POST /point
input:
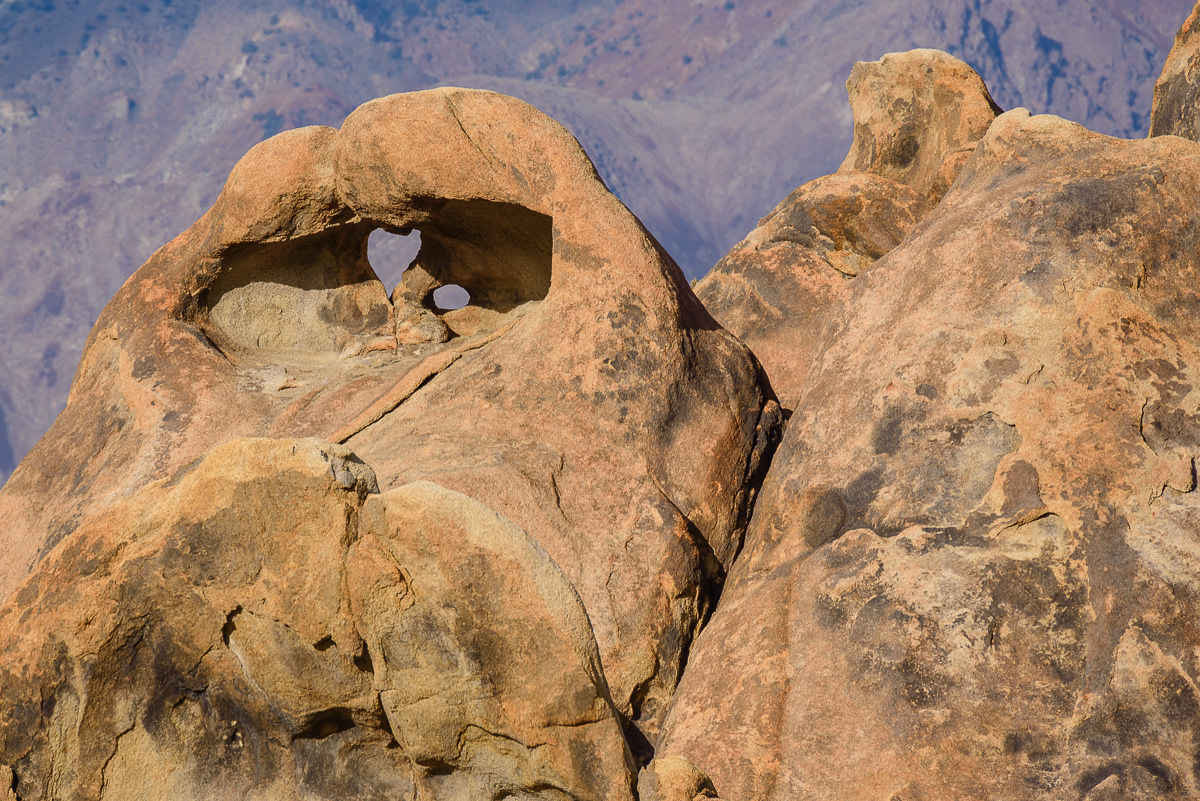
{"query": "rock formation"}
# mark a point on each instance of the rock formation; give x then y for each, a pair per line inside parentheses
(295, 538)
(567, 406)
(270, 625)
(971, 570)
(917, 116)
(683, 107)
(1175, 92)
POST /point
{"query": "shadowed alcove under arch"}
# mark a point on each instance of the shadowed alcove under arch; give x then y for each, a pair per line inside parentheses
(498, 254)
(318, 298)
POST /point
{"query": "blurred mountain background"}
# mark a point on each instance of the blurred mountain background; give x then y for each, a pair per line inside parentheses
(120, 119)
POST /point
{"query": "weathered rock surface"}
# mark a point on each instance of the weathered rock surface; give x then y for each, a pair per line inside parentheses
(777, 287)
(271, 627)
(971, 571)
(1177, 89)
(917, 118)
(913, 111)
(293, 538)
(570, 406)
(669, 99)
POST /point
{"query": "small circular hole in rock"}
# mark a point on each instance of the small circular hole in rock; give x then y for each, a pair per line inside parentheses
(450, 297)
(391, 254)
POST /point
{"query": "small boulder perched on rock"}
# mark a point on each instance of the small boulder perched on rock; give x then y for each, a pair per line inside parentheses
(917, 115)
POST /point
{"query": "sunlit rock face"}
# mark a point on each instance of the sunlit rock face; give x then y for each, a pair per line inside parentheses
(119, 121)
(972, 569)
(297, 536)
(561, 410)
(918, 116)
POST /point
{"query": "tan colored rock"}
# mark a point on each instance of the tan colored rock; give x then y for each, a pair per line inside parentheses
(779, 287)
(918, 116)
(489, 674)
(912, 111)
(971, 571)
(270, 627)
(1176, 110)
(673, 779)
(569, 396)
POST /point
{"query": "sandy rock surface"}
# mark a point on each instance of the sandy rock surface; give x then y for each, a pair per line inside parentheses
(971, 570)
(570, 406)
(295, 538)
(778, 288)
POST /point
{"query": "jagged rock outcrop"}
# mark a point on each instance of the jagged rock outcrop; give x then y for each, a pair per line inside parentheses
(972, 572)
(1175, 92)
(567, 397)
(917, 118)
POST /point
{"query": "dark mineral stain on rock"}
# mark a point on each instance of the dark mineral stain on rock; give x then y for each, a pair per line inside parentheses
(885, 436)
(1021, 488)
(822, 515)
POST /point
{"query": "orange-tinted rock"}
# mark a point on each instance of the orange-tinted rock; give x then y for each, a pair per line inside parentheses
(970, 572)
(971, 569)
(569, 396)
(912, 111)
(1177, 93)
(271, 627)
(781, 285)
(917, 117)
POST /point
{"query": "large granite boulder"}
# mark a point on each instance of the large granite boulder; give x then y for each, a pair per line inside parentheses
(972, 569)
(297, 537)
(584, 395)
(269, 626)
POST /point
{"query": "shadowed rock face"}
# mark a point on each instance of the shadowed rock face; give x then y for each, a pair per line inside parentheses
(567, 397)
(1177, 88)
(971, 570)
